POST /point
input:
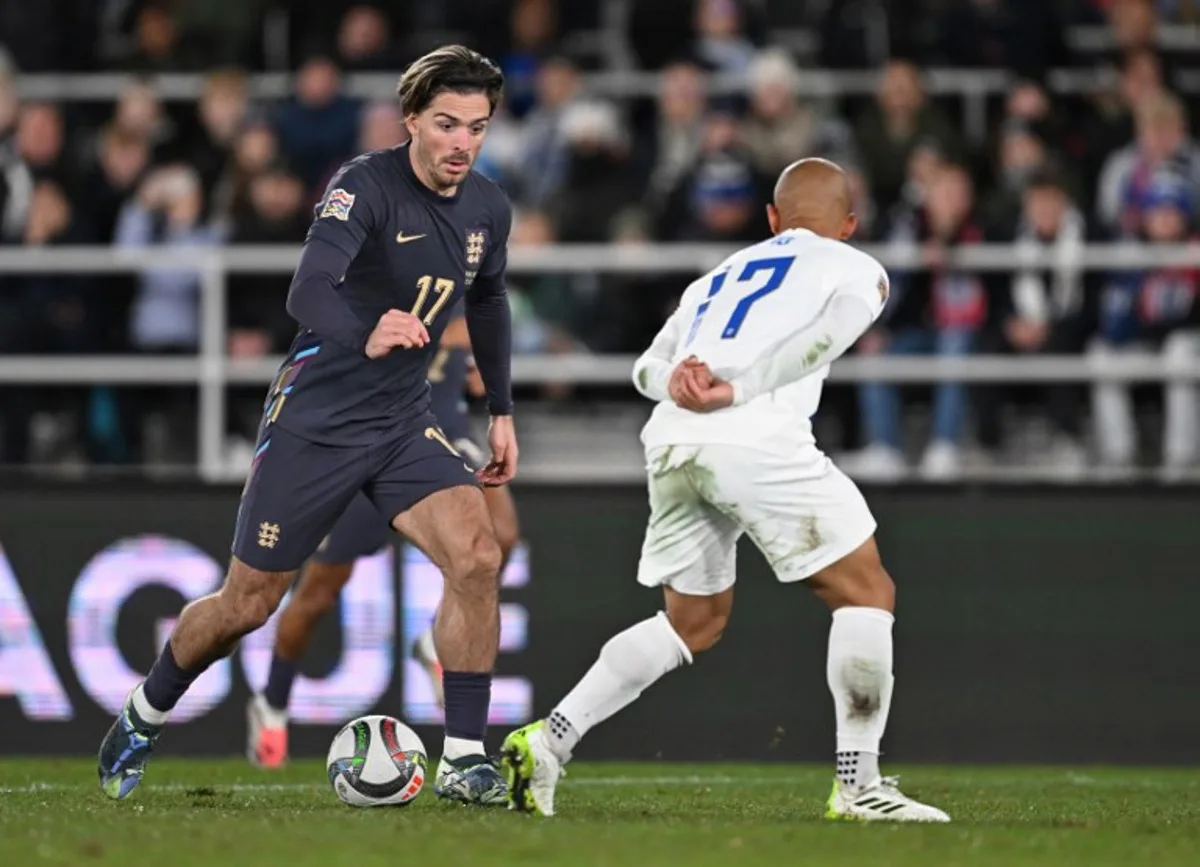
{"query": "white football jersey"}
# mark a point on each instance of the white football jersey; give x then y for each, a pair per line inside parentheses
(738, 312)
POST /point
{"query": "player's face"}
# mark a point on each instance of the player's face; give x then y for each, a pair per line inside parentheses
(447, 137)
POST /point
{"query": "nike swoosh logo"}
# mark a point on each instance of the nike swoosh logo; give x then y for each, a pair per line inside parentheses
(401, 238)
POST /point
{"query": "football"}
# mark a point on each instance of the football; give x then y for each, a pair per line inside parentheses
(376, 761)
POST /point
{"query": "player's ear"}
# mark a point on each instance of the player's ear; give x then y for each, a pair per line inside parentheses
(849, 226)
(773, 218)
(410, 124)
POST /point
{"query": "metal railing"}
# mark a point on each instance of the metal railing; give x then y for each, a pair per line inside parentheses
(211, 371)
(972, 86)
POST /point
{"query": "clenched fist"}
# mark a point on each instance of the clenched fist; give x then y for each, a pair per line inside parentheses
(396, 329)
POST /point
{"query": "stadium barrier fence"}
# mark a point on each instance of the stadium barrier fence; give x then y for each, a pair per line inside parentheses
(211, 371)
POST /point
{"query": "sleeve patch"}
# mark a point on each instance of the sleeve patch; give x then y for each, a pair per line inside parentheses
(883, 287)
(338, 205)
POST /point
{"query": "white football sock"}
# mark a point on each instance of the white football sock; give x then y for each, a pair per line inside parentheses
(457, 748)
(628, 663)
(860, 677)
(148, 712)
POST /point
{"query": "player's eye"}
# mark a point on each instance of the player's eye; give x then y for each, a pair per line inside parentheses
(479, 129)
(445, 126)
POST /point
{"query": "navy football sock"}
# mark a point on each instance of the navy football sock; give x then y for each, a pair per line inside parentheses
(468, 694)
(167, 682)
(279, 682)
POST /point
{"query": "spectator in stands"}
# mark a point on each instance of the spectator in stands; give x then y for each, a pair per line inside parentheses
(16, 182)
(1162, 143)
(542, 165)
(157, 47)
(1029, 104)
(256, 148)
(122, 159)
(277, 215)
(40, 142)
(140, 111)
(222, 111)
(892, 128)
(364, 41)
(782, 128)
(1133, 23)
(1109, 124)
(59, 313)
(533, 29)
(597, 182)
(1042, 311)
(318, 130)
(721, 42)
(381, 126)
(1021, 153)
(938, 309)
(167, 211)
(671, 149)
(1157, 308)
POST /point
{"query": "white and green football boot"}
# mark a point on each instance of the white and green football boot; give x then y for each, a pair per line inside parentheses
(880, 801)
(532, 769)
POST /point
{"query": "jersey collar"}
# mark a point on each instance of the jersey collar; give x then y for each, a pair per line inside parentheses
(402, 151)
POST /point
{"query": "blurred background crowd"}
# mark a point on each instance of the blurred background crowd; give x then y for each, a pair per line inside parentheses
(1114, 159)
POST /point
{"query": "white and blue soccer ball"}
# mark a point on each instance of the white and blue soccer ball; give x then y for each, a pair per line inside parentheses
(376, 761)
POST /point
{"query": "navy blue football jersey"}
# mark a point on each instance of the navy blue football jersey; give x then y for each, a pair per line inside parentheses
(413, 250)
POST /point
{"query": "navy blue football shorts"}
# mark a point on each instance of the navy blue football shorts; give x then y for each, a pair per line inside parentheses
(301, 494)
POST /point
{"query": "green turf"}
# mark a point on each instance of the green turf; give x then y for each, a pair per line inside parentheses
(221, 814)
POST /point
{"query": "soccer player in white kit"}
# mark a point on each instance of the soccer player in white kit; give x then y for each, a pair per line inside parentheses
(737, 372)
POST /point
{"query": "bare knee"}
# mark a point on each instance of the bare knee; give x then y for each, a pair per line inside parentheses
(857, 580)
(249, 597)
(474, 565)
(504, 521)
(699, 621)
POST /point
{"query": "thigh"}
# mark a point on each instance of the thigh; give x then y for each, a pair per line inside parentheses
(690, 543)
(293, 496)
(799, 522)
(414, 466)
(359, 532)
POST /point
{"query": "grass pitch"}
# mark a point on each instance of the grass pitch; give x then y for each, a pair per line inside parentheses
(224, 813)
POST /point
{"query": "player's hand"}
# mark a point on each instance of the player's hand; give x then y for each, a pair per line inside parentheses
(717, 395)
(396, 329)
(502, 438)
(689, 377)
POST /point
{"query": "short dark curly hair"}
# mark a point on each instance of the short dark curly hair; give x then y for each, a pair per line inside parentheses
(453, 68)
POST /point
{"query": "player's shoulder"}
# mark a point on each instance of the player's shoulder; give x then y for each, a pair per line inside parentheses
(377, 164)
(491, 196)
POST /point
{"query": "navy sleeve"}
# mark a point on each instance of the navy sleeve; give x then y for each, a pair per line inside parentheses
(314, 301)
(343, 221)
(349, 211)
(489, 321)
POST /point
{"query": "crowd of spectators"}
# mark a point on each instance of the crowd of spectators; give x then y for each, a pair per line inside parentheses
(689, 164)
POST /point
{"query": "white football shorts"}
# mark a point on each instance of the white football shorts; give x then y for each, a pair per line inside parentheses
(704, 497)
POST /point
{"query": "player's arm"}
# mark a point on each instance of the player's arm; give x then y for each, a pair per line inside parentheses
(653, 370)
(850, 311)
(489, 327)
(344, 220)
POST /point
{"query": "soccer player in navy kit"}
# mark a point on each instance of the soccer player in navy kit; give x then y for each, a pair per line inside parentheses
(399, 238)
(361, 532)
